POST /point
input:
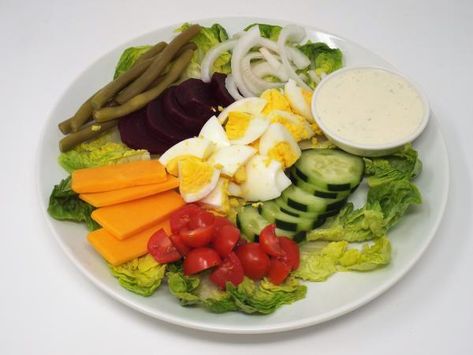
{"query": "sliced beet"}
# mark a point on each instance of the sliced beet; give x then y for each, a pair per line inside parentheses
(219, 90)
(196, 98)
(177, 116)
(161, 125)
(135, 133)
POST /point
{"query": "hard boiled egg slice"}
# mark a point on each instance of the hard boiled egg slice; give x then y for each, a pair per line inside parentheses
(234, 189)
(214, 132)
(230, 159)
(277, 143)
(196, 179)
(197, 147)
(282, 181)
(276, 101)
(244, 128)
(297, 125)
(261, 179)
(218, 197)
(252, 105)
(299, 99)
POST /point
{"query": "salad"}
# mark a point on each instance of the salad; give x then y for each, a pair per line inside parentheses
(200, 168)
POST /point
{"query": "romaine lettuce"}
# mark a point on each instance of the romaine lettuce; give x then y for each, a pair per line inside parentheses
(142, 275)
(267, 31)
(401, 165)
(320, 260)
(207, 38)
(102, 151)
(385, 204)
(65, 205)
(128, 58)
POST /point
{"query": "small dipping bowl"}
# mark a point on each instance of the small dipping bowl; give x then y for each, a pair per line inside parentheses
(369, 111)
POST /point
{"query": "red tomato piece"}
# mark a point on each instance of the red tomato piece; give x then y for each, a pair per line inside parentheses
(230, 270)
(226, 239)
(291, 250)
(278, 271)
(162, 249)
(181, 247)
(254, 260)
(196, 238)
(181, 217)
(269, 241)
(241, 242)
(200, 259)
(220, 222)
(201, 219)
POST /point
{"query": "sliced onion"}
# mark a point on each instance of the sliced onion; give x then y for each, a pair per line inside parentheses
(313, 75)
(211, 57)
(299, 59)
(296, 34)
(272, 60)
(265, 42)
(264, 69)
(232, 88)
(254, 82)
(243, 46)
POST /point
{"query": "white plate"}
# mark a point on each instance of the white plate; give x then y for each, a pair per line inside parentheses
(342, 293)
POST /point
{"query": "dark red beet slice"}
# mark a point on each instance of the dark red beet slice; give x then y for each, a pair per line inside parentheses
(219, 90)
(196, 98)
(177, 116)
(135, 133)
(161, 125)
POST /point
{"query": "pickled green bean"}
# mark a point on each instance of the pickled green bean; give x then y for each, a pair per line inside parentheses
(91, 131)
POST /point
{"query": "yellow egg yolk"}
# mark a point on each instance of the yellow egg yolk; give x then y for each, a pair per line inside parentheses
(283, 153)
(240, 175)
(298, 131)
(276, 101)
(194, 175)
(237, 124)
(307, 96)
(172, 165)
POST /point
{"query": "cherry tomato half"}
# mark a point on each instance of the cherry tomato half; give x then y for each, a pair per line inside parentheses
(162, 249)
(225, 239)
(278, 271)
(269, 241)
(196, 238)
(291, 250)
(181, 217)
(230, 270)
(181, 247)
(220, 222)
(201, 219)
(254, 260)
(200, 259)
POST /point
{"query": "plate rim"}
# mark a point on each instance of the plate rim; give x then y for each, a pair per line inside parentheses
(285, 326)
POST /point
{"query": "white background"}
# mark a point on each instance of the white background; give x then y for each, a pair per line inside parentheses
(48, 307)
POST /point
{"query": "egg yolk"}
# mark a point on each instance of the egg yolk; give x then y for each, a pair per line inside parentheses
(298, 131)
(240, 175)
(276, 101)
(194, 175)
(237, 124)
(172, 165)
(283, 153)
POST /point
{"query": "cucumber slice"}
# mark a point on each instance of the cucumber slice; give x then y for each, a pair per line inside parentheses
(330, 169)
(284, 207)
(316, 190)
(250, 222)
(271, 211)
(303, 201)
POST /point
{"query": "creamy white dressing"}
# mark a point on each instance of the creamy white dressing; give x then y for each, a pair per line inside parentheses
(369, 106)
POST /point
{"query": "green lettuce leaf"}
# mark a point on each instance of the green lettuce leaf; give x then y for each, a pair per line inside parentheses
(65, 205)
(183, 287)
(207, 38)
(385, 205)
(267, 31)
(99, 152)
(320, 260)
(142, 275)
(128, 58)
(404, 164)
(264, 297)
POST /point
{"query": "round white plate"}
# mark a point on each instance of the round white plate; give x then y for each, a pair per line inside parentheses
(342, 293)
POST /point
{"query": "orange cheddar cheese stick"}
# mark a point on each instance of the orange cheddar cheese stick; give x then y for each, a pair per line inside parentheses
(119, 176)
(116, 251)
(128, 218)
(107, 198)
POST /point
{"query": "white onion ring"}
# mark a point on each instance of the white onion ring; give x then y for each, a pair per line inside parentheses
(211, 57)
(264, 69)
(295, 33)
(255, 83)
(299, 59)
(232, 88)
